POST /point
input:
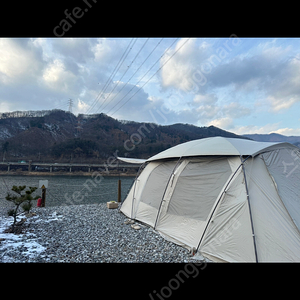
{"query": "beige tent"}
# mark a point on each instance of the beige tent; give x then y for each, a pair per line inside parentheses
(231, 200)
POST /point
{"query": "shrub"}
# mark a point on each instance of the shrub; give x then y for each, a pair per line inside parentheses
(20, 198)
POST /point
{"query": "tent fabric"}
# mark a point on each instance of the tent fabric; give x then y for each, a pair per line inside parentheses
(188, 193)
(229, 236)
(153, 192)
(221, 204)
(278, 239)
(284, 166)
(218, 146)
(129, 207)
(137, 161)
(180, 209)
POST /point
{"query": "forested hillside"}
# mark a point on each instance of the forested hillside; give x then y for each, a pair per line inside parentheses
(63, 137)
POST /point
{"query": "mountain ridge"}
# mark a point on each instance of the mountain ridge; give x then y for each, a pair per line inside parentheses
(60, 136)
(274, 137)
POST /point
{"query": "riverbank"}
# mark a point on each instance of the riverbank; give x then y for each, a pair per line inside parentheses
(26, 173)
(85, 233)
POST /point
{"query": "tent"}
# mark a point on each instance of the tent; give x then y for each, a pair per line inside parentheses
(227, 199)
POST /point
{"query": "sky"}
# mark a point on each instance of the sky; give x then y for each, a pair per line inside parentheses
(243, 85)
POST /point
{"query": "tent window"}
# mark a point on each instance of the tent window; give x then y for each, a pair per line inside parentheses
(156, 184)
(198, 187)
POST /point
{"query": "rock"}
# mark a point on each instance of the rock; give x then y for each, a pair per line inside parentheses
(31, 214)
(129, 221)
(92, 233)
(112, 205)
(136, 227)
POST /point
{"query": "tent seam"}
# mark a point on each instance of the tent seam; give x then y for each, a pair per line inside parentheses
(215, 208)
(142, 167)
(162, 199)
(249, 207)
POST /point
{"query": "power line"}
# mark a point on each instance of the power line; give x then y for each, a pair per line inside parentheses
(134, 73)
(123, 76)
(120, 62)
(62, 106)
(145, 75)
(150, 77)
(105, 99)
(108, 80)
(142, 76)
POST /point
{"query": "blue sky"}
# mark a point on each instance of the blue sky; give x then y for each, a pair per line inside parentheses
(243, 85)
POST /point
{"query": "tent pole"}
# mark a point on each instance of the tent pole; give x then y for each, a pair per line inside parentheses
(208, 222)
(165, 192)
(248, 200)
(135, 182)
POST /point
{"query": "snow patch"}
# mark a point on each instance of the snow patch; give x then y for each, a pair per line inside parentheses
(5, 134)
(25, 244)
(21, 126)
(55, 218)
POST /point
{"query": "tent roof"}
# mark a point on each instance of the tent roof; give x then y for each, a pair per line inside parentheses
(219, 146)
(137, 161)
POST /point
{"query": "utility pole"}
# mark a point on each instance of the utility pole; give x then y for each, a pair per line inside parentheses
(79, 126)
(70, 105)
(119, 190)
(43, 197)
(119, 184)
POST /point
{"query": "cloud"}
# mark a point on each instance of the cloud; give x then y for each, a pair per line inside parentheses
(284, 91)
(244, 72)
(119, 94)
(222, 123)
(178, 71)
(270, 71)
(104, 51)
(252, 129)
(4, 106)
(80, 107)
(278, 104)
(208, 99)
(211, 111)
(207, 81)
(45, 73)
(288, 131)
(266, 129)
(54, 71)
(195, 70)
(20, 61)
(143, 107)
(235, 110)
(80, 51)
(57, 77)
(190, 68)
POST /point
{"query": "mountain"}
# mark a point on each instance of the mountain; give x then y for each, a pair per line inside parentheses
(274, 137)
(63, 137)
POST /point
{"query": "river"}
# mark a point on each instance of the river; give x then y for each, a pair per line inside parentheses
(68, 190)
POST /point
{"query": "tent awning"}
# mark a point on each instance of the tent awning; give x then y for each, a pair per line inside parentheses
(137, 161)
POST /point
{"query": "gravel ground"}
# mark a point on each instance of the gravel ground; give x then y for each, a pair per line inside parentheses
(85, 233)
